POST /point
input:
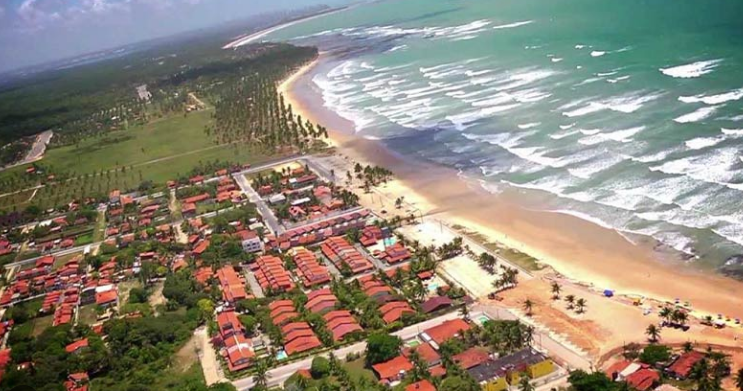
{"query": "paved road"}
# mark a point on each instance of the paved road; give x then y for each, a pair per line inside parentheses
(277, 376)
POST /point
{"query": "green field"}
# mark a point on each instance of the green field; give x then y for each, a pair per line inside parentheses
(159, 151)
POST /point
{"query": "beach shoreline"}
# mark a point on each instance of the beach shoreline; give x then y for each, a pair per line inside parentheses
(580, 251)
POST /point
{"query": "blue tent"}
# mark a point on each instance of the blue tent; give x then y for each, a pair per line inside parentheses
(608, 293)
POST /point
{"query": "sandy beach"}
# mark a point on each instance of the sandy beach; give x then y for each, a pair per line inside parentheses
(577, 249)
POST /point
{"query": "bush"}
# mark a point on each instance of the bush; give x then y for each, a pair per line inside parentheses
(381, 347)
(320, 367)
(653, 354)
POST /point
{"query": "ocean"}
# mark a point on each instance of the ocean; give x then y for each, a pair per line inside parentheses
(626, 113)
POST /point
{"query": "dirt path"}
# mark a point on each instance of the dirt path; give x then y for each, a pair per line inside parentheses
(156, 297)
(209, 364)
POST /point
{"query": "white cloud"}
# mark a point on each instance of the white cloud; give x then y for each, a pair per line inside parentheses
(33, 18)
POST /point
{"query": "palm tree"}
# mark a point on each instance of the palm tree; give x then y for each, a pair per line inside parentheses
(556, 288)
(653, 333)
(261, 373)
(528, 306)
(739, 380)
(688, 346)
(571, 301)
(525, 383)
(665, 313)
(464, 311)
(581, 305)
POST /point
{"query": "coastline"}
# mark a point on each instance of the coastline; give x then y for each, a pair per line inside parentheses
(581, 251)
(262, 33)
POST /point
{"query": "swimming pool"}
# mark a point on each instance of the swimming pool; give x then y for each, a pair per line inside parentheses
(433, 286)
(281, 355)
(389, 241)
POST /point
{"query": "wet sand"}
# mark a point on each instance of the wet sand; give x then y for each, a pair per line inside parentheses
(577, 249)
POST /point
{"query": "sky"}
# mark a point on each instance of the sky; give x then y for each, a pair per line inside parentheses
(38, 31)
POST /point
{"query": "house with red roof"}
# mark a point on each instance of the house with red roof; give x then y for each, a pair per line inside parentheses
(299, 337)
(426, 352)
(200, 247)
(423, 385)
(107, 298)
(232, 285)
(309, 270)
(270, 272)
(76, 346)
(395, 254)
(644, 379)
(393, 370)
(445, 331)
(237, 349)
(394, 310)
(681, 368)
(320, 301)
(471, 357)
(343, 255)
(340, 323)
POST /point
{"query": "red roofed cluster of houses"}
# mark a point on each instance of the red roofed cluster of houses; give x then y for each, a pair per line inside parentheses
(231, 284)
(271, 275)
(319, 231)
(298, 336)
(236, 347)
(344, 255)
(309, 270)
(391, 308)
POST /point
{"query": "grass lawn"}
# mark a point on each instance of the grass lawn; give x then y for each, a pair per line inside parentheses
(61, 260)
(41, 324)
(356, 369)
(100, 227)
(159, 151)
(160, 138)
(124, 289)
(87, 314)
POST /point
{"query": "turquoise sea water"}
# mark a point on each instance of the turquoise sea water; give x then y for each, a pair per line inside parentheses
(628, 113)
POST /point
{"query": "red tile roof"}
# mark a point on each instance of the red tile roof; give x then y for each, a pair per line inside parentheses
(309, 270)
(425, 351)
(340, 252)
(616, 368)
(446, 330)
(683, 365)
(271, 273)
(75, 346)
(393, 311)
(392, 368)
(423, 385)
(471, 357)
(106, 297)
(643, 379)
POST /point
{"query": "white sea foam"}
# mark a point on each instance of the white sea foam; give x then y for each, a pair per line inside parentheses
(717, 167)
(603, 74)
(713, 99)
(704, 142)
(529, 125)
(579, 46)
(732, 132)
(597, 53)
(562, 135)
(513, 25)
(618, 79)
(556, 59)
(587, 170)
(622, 135)
(692, 70)
(697, 115)
(396, 48)
(589, 132)
(628, 103)
(563, 127)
